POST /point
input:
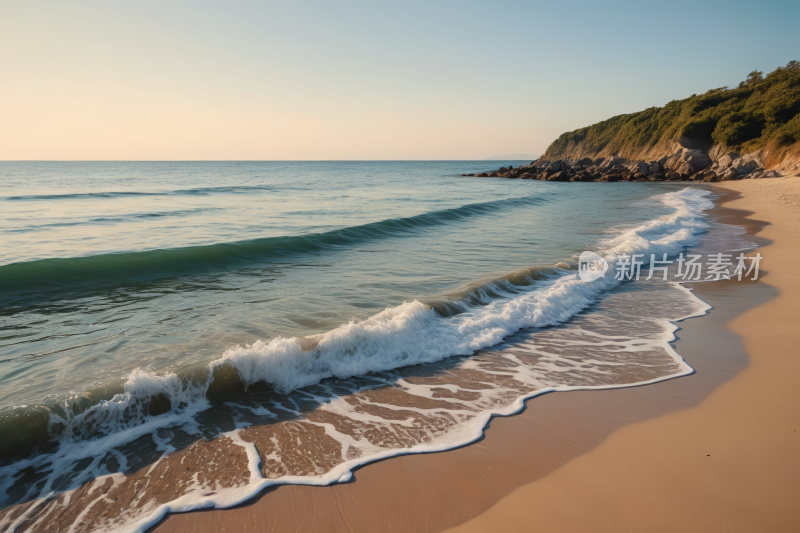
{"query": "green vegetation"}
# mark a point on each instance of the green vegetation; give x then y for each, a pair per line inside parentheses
(761, 109)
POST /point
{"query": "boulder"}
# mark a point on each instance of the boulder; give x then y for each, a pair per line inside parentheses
(729, 174)
(703, 174)
(727, 159)
(698, 160)
(159, 404)
(585, 162)
(744, 165)
(612, 163)
(558, 176)
(673, 176)
(684, 169)
(654, 167)
(761, 174)
(718, 151)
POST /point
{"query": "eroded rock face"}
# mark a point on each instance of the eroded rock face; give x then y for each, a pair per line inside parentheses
(686, 162)
(558, 176)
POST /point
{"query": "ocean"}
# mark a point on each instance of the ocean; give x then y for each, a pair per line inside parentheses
(184, 334)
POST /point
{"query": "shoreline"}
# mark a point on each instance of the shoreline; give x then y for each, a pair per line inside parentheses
(442, 487)
(731, 463)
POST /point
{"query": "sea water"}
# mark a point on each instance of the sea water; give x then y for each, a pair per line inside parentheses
(293, 320)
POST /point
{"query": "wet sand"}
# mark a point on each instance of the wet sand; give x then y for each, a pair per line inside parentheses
(730, 464)
(436, 491)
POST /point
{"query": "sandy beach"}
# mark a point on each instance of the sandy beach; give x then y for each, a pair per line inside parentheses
(327, 268)
(718, 445)
(729, 464)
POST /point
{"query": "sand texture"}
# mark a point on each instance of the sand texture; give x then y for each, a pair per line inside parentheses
(730, 464)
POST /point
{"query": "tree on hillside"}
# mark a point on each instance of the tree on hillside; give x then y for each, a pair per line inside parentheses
(762, 109)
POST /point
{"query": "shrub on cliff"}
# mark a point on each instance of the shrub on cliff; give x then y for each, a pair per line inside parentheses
(761, 109)
(737, 128)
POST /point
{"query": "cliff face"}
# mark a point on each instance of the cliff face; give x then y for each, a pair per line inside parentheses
(759, 121)
(774, 156)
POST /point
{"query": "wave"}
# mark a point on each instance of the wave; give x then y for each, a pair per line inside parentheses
(233, 189)
(413, 333)
(129, 266)
(409, 334)
(157, 405)
(119, 218)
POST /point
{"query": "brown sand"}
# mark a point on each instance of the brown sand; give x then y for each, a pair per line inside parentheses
(433, 492)
(730, 464)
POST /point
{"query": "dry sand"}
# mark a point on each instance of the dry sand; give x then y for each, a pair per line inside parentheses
(730, 464)
(600, 460)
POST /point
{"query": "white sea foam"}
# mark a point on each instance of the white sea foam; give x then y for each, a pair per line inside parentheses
(408, 334)
(411, 333)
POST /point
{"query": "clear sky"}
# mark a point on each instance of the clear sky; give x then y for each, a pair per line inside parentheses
(189, 80)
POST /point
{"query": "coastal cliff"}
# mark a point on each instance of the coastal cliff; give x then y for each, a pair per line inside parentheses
(752, 130)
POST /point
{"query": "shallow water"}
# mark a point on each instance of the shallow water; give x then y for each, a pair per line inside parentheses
(313, 316)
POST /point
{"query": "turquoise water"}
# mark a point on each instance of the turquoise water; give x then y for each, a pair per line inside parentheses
(303, 317)
(108, 267)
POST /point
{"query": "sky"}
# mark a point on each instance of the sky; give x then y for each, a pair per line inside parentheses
(242, 80)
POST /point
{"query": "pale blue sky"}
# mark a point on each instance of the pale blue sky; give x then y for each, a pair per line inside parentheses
(358, 80)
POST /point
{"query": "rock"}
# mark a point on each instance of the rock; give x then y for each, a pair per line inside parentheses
(764, 174)
(598, 161)
(673, 176)
(558, 176)
(585, 162)
(727, 159)
(703, 174)
(483, 175)
(654, 167)
(639, 175)
(717, 152)
(698, 160)
(555, 167)
(729, 174)
(159, 404)
(612, 163)
(745, 166)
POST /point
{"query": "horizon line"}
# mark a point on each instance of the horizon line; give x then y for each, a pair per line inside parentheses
(242, 160)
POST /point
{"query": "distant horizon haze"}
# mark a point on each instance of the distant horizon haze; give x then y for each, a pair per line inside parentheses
(354, 81)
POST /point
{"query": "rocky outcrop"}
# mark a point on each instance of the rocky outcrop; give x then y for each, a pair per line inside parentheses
(683, 161)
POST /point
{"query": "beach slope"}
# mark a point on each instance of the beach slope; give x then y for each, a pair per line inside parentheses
(731, 463)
